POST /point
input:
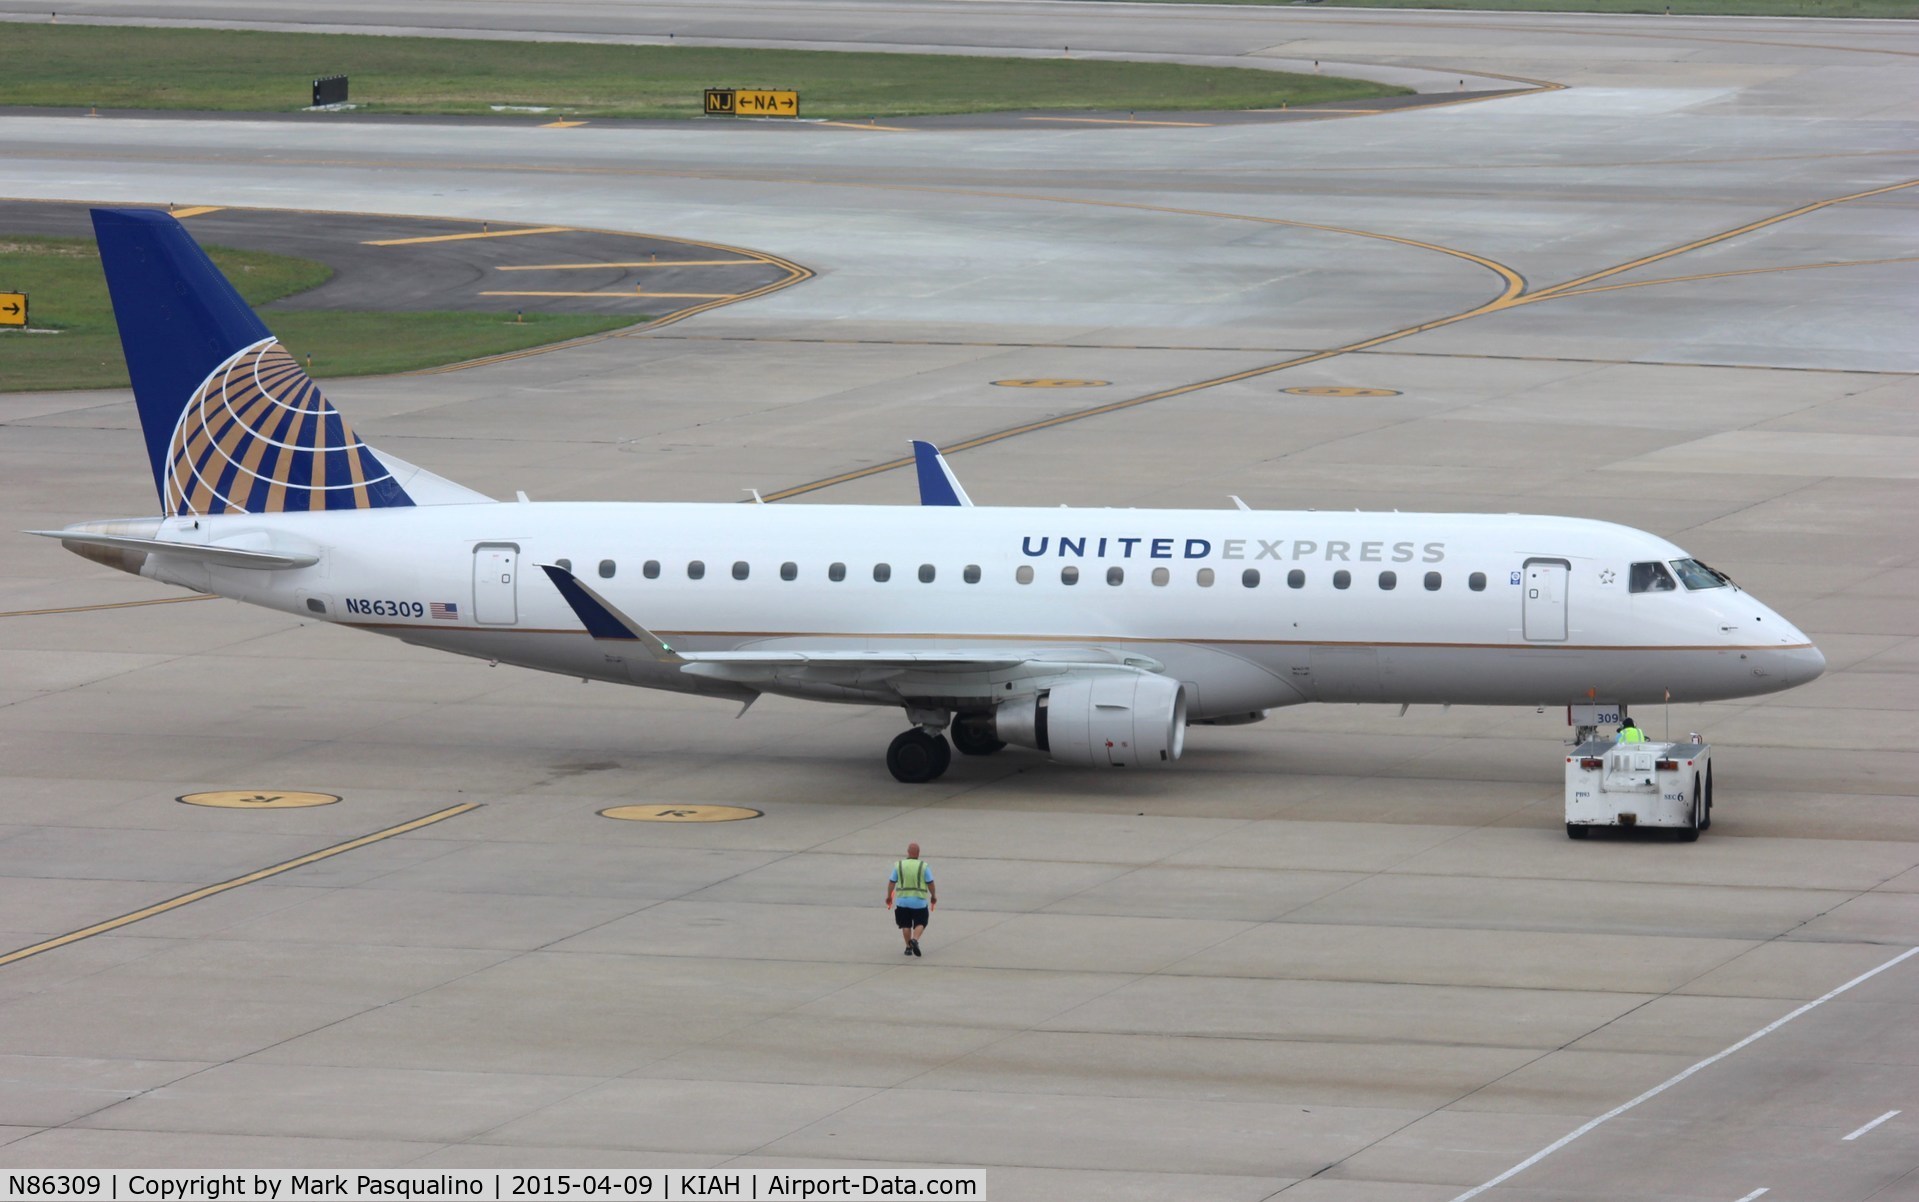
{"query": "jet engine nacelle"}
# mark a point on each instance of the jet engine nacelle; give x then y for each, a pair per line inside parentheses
(1108, 720)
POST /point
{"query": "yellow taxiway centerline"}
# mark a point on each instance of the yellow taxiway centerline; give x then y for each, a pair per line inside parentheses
(261, 874)
(538, 229)
(85, 609)
(627, 295)
(658, 263)
(1122, 121)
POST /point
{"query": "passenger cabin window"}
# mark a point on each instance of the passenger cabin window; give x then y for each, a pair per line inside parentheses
(696, 570)
(1389, 580)
(650, 569)
(1296, 579)
(1161, 577)
(1205, 578)
(926, 573)
(1069, 575)
(1025, 574)
(971, 574)
(1432, 582)
(836, 572)
(1694, 574)
(740, 569)
(1476, 582)
(1250, 577)
(607, 568)
(1342, 579)
(1116, 575)
(1650, 578)
(565, 565)
(882, 572)
(789, 571)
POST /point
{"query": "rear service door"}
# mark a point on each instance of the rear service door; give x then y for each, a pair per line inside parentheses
(496, 571)
(1545, 600)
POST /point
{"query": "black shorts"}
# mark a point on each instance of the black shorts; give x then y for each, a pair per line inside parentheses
(907, 917)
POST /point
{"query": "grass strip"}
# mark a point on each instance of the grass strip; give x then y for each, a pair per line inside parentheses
(234, 70)
(1906, 9)
(68, 293)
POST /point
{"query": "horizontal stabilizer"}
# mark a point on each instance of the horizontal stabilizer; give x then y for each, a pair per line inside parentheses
(226, 557)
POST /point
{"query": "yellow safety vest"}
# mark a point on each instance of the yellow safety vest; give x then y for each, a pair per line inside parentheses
(912, 878)
(1632, 734)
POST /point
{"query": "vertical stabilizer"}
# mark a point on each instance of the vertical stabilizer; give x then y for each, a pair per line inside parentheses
(232, 424)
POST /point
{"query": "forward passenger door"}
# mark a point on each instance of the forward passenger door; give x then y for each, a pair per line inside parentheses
(1544, 604)
(496, 570)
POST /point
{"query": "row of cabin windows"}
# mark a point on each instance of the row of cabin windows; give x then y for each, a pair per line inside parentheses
(1115, 575)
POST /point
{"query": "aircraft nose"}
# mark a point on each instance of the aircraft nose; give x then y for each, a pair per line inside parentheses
(1807, 663)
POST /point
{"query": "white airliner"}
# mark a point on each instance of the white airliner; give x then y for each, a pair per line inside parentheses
(1093, 635)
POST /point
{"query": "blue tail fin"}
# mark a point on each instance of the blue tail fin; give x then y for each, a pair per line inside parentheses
(232, 424)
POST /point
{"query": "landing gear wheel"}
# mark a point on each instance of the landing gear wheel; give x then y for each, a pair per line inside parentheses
(1577, 830)
(916, 757)
(974, 736)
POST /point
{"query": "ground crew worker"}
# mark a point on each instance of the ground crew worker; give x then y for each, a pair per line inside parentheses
(911, 896)
(1628, 733)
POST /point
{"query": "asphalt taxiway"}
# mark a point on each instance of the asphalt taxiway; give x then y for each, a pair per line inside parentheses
(388, 263)
(1340, 955)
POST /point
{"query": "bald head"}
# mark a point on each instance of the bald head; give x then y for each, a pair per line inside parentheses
(912, 851)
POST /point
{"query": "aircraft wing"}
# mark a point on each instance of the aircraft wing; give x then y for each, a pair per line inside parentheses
(902, 670)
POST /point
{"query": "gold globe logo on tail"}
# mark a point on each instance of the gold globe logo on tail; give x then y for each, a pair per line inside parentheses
(258, 436)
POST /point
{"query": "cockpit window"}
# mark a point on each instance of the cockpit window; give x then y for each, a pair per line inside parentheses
(1694, 574)
(1651, 578)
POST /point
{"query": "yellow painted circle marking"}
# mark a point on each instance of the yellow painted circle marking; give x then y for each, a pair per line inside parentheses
(259, 799)
(673, 813)
(1330, 390)
(1048, 383)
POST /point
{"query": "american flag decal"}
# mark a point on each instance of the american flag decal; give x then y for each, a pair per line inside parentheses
(446, 611)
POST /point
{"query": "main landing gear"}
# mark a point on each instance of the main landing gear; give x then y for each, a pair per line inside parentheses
(923, 754)
(918, 756)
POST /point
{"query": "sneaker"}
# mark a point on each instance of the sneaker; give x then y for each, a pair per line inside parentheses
(907, 950)
(916, 947)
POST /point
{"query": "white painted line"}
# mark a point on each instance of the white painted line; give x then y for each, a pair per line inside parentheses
(1874, 1123)
(1755, 1194)
(1669, 1082)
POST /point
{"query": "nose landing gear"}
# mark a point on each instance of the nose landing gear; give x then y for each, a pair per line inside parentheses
(918, 756)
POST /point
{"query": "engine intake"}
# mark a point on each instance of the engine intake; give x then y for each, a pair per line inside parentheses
(1109, 720)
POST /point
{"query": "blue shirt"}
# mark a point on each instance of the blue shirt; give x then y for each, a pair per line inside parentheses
(909, 903)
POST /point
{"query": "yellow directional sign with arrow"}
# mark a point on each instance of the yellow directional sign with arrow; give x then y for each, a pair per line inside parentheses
(752, 102)
(13, 308)
(766, 102)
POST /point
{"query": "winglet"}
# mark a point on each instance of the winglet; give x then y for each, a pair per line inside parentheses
(603, 621)
(938, 485)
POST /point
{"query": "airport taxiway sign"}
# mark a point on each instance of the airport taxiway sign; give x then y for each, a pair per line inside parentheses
(752, 102)
(766, 102)
(13, 308)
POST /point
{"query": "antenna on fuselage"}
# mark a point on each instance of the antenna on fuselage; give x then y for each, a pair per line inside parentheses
(1240, 504)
